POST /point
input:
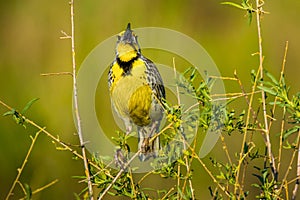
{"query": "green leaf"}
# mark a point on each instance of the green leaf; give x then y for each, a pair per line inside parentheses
(11, 112)
(268, 90)
(233, 4)
(77, 197)
(290, 131)
(18, 118)
(28, 105)
(288, 145)
(111, 193)
(181, 161)
(255, 185)
(249, 17)
(116, 187)
(274, 80)
(275, 103)
(28, 191)
(131, 134)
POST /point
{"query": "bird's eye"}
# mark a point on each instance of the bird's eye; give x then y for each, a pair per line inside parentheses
(119, 37)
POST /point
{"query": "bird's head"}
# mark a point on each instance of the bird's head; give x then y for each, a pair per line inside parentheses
(127, 45)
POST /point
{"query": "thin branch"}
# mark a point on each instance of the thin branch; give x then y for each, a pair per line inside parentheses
(57, 140)
(132, 184)
(283, 120)
(281, 76)
(249, 111)
(179, 194)
(20, 170)
(234, 95)
(45, 186)
(225, 149)
(42, 188)
(266, 124)
(144, 177)
(76, 108)
(64, 145)
(249, 101)
(188, 166)
(65, 35)
(166, 195)
(57, 74)
(296, 187)
(119, 174)
(289, 168)
(178, 103)
(5, 105)
(222, 78)
(284, 108)
(219, 185)
(177, 88)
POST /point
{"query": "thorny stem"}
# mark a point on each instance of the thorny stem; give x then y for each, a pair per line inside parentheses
(76, 108)
(266, 125)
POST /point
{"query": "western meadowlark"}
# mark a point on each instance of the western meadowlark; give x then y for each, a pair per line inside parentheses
(136, 91)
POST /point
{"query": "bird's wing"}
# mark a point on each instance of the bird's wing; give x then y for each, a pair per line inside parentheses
(154, 79)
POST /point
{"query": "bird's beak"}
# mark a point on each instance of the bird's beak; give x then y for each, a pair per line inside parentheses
(128, 27)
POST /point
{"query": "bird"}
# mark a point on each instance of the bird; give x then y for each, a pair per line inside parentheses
(137, 91)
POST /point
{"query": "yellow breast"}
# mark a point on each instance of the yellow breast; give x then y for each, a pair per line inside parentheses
(131, 95)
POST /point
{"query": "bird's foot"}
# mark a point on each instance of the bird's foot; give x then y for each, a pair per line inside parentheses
(120, 159)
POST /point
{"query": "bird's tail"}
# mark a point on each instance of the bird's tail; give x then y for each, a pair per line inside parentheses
(148, 141)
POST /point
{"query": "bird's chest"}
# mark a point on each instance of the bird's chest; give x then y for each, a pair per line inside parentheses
(132, 96)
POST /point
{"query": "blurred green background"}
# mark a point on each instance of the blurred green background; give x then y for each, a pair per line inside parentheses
(30, 45)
